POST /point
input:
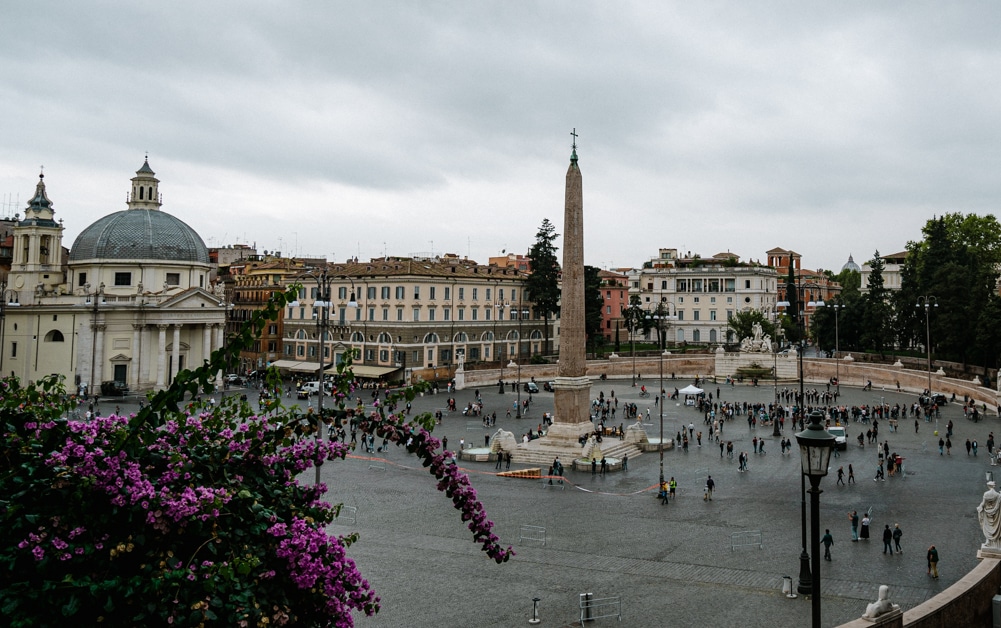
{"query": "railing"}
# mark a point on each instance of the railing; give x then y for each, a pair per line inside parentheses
(592, 608)
(748, 538)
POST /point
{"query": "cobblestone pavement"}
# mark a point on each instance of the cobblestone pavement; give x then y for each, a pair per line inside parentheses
(670, 564)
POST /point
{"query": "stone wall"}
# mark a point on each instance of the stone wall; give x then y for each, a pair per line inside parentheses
(965, 603)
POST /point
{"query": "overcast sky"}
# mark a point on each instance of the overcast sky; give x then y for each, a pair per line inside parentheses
(368, 128)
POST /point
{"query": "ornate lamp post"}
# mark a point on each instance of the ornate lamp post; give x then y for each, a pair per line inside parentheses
(815, 454)
(927, 302)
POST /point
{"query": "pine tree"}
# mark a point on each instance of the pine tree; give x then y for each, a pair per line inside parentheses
(542, 285)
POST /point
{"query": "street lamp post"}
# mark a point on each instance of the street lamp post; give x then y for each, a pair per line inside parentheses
(660, 404)
(815, 455)
(927, 302)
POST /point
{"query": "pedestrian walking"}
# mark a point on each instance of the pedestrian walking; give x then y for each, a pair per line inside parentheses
(864, 533)
(933, 562)
(974, 447)
(897, 533)
(851, 474)
(500, 459)
(673, 486)
(841, 476)
(710, 485)
(941, 446)
(594, 466)
(887, 539)
(853, 518)
(948, 446)
(828, 541)
(969, 446)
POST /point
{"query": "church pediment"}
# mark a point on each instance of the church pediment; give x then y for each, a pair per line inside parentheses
(192, 298)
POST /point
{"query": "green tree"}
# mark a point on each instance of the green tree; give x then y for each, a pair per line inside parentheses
(790, 320)
(542, 286)
(593, 303)
(742, 323)
(877, 308)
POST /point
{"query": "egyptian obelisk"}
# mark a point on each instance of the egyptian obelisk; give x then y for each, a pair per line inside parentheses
(572, 387)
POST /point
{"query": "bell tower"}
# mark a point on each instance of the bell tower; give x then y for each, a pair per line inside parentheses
(38, 245)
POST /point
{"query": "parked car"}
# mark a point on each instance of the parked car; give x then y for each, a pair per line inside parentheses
(531, 387)
(114, 389)
(233, 379)
(549, 386)
(840, 436)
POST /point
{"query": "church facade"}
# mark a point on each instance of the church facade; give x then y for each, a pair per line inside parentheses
(130, 303)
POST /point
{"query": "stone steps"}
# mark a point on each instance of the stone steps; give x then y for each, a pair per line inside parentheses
(612, 448)
(529, 474)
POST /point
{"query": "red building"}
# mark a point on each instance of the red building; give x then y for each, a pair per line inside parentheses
(615, 292)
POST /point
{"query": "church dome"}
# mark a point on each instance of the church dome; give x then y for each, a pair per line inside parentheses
(851, 265)
(141, 232)
(135, 234)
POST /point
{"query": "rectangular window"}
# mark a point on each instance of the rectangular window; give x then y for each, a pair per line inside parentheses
(696, 285)
(342, 315)
(447, 313)
(384, 355)
(682, 285)
(82, 279)
(476, 292)
(695, 299)
(417, 314)
(446, 355)
(370, 292)
(462, 293)
(312, 293)
(400, 293)
(695, 314)
(123, 279)
(369, 355)
(728, 285)
(681, 315)
(608, 309)
(448, 293)
(431, 292)
(462, 313)
(486, 312)
(385, 292)
(663, 284)
(500, 294)
(357, 313)
(13, 349)
(385, 313)
(747, 284)
(431, 313)
(302, 313)
(712, 315)
(729, 315)
(476, 313)
(371, 313)
(399, 313)
(417, 293)
(488, 294)
(342, 293)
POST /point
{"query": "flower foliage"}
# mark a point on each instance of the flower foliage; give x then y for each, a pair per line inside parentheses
(188, 516)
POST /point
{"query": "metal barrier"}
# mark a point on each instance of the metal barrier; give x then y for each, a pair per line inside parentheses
(592, 608)
(748, 538)
(532, 533)
(377, 463)
(553, 481)
(349, 514)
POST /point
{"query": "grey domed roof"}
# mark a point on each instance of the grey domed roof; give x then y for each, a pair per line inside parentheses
(134, 234)
(851, 265)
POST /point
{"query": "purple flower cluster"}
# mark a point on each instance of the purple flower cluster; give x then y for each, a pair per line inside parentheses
(315, 560)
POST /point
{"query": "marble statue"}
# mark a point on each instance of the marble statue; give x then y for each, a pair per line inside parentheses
(880, 606)
(989, 515)
(759, 342)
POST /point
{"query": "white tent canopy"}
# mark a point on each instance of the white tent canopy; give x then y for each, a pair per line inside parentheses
(690, 390)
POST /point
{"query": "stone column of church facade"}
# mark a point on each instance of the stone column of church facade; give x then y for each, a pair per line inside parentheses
(98, 374)
(161, 356)
(176, 352)
(136, 358)
(218, 330)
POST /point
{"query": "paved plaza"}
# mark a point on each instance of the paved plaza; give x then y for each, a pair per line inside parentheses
(670, 564)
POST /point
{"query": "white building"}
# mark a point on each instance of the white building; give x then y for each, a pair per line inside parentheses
(703, 293)
(130, 303)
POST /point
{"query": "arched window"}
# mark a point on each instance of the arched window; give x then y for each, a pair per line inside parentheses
(431, 339)
(712, 335)
(151, 193)
(681, 335)
(54, 336)
(357, 337)
(300, 335)
(385, 338)
(141, 190)
(487, 336)
(512, 335)
(696, 336)
(536, 335)
(461, 337)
